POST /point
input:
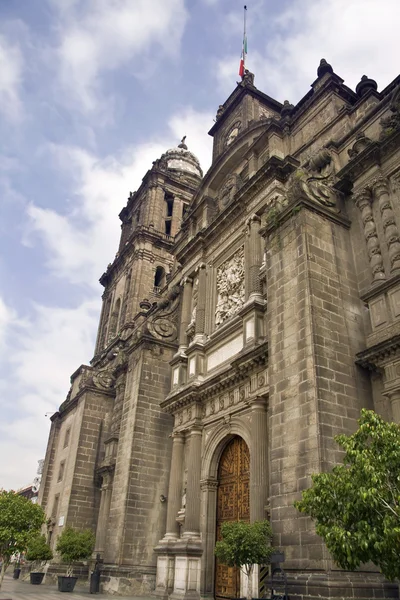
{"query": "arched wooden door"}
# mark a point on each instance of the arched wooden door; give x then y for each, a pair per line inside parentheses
(233, 504)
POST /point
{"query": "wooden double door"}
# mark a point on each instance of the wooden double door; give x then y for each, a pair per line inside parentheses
(233, 504)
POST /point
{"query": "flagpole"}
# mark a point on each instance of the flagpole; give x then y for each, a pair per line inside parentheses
(244, 35)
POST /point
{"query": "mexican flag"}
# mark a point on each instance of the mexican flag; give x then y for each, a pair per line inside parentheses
(244, 52)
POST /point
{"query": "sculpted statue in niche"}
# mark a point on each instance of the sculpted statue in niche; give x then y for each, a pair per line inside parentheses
(232, 133)
(230, 287)
(195, 293)
(227, 191)
(314, 180)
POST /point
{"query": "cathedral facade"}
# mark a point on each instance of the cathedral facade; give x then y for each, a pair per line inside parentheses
(248, 316)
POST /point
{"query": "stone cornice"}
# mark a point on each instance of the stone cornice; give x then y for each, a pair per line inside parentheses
(374, 154)
(373, 357)
(238, 370)
(141, 233)
(380, 287)
(275, 168)
(292, 209)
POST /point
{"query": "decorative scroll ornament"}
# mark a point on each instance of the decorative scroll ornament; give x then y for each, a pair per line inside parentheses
(230, 287)
(314, 180)
(104, 379)
(391, 124)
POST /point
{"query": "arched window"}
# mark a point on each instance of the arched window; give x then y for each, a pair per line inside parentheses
(102, 341)
(159, 279)
(112, 330)
(169, 200)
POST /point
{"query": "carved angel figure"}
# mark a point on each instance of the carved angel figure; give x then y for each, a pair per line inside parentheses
(314, 180)
(230, 287)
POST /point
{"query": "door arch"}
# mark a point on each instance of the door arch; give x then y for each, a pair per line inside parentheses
(233, 504)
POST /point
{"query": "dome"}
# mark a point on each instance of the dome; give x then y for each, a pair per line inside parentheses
(180, 159)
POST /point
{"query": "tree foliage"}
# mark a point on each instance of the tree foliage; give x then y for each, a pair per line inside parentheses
(19, 520)
(244, 545)
(356, 507)
(74, 545)
(38, 550)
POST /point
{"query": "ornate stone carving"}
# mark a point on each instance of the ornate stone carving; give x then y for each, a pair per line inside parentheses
(362, 142)
(230, 287)
(314, 180)
(220, 112)
(104, 379)
(396, 182)
(363, 202)
(391, 124)
(195, 294)
(232, 133)
(380, 187)
(227, 191)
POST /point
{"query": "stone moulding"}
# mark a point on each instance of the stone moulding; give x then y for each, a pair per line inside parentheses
(372, 357)
(243, 364)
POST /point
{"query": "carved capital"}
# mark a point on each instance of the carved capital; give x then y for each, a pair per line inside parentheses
(362, 198)
(208, 484)
(186, 280)
(253, 219)
(380, 186)
(201, 266)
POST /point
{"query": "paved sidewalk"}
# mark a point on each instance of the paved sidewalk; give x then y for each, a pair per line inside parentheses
(16, 589)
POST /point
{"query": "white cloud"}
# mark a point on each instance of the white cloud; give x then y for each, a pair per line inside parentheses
(82, 242)
(7, 317)
(101, 35)
(11, 68)
(43, 351)
(356, 38)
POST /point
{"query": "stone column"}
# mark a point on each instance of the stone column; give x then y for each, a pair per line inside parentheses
(104, 513)
(192, 512)
(209, 488)
(380, 187)
(363, 202)
(187, 283)
(175, 486)
(201, 300)
(258, 459)
(255, 256)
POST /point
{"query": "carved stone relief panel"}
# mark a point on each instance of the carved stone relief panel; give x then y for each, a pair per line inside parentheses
(230, 287)
(378, 312)
(394, 299)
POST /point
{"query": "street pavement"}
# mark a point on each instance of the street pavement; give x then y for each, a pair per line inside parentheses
(17, 589)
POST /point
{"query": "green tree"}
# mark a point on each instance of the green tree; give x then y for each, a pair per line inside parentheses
(38, 551)
(74, 545)
(19, 520)
(356, 507)
(243, 545)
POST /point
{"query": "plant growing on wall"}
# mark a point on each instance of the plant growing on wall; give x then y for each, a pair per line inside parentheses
(243, 545)
(74, 545)
(19, 520)
(356, 507)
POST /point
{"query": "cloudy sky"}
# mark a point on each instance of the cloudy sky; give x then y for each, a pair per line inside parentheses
(91, 92)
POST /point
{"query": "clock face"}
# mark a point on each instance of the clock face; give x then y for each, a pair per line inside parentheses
(232, 135)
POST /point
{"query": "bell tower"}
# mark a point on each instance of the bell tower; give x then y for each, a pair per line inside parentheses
(149, 223)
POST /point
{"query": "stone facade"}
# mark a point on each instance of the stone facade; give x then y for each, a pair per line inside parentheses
(257, 307)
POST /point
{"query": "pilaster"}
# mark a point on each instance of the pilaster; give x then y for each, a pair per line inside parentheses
(380, 188)
(363, 200)
(259, 467)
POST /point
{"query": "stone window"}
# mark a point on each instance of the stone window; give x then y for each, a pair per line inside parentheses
(61, 471)
(55, 506)
(114, 320)
(67, 436)
(159, 279)
(169, 200)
